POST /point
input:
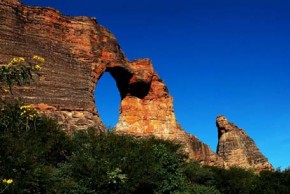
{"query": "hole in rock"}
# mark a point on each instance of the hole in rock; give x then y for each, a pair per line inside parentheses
(140, 89)
(107, 100)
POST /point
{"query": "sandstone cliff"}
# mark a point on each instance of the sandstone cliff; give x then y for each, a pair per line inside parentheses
(78, 51)
(237, 148)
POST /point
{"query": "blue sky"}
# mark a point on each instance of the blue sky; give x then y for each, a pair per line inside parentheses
(216, 56)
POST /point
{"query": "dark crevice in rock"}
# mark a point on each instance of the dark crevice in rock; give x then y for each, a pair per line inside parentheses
(139, 89)
(122, 77)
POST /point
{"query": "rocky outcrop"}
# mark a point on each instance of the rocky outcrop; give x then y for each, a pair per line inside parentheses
(78, 51)
(202, 153)
(237, 148)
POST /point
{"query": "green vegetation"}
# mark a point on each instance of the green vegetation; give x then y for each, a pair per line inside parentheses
(40, 158)
(19, 72)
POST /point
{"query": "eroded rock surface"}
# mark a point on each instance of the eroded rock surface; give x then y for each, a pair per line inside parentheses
(78, 51)
(237, 148)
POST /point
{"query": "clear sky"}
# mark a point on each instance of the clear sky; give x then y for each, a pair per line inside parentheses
(216, 57)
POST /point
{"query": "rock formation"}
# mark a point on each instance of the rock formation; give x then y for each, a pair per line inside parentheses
(78, 51)
(237, 148)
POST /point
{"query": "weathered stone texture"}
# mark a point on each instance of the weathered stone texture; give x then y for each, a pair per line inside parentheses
(73, 48)
(204, 154)
(78, 51)
(237, 148)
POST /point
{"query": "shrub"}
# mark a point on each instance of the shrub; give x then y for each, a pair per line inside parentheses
(19, 72)
(235, 180)
(110, 163)
(202, 189)
(197, 174)
(273, 182)
(30, 149)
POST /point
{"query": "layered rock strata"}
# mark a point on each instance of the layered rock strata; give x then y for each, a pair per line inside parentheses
(237, 148)
(78, 51)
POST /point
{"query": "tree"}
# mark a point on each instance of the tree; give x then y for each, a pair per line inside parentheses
(111, 163)
(235, 180)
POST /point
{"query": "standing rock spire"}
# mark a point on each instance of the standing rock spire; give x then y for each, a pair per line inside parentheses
(237, 148)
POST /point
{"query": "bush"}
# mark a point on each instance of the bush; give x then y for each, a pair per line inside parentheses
(199, 175)
(235, 180)
(202, 189)
(30, 149)
(36, 156)
(110, 163)
(41, 158)
(19, 72)
(17, 117)
(273, 182)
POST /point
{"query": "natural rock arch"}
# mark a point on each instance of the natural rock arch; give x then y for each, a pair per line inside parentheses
(146, 106)
(78, 51)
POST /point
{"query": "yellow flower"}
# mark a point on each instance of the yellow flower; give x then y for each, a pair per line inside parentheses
(25, 107)
(37, 67)
(28, 112)
(31, 117)
(5, 90)
(16, 60)
(38, 58)
(9, 181)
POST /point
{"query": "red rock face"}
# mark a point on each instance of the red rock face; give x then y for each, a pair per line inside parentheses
(237, 148)
(78, 51)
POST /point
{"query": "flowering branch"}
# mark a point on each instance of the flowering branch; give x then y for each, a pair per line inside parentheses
(19, 72)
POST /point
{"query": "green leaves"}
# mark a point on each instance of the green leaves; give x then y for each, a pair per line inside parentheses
(110, 163)
(43, 159)
(19, 72)
(15, 116)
